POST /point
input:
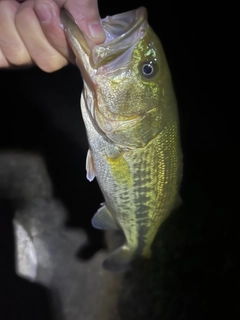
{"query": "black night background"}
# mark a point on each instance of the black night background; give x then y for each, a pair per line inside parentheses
(194, 272)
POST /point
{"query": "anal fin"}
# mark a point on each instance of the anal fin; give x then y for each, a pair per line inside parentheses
(104, 220)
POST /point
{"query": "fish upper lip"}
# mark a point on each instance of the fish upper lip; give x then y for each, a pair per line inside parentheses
(122, 32)
(129, 21)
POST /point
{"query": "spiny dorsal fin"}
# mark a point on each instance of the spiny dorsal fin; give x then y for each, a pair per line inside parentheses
(104, 220)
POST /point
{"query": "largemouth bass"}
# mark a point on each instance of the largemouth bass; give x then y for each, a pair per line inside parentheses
(130, 113)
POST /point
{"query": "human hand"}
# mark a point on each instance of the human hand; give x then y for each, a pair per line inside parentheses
(30, 31)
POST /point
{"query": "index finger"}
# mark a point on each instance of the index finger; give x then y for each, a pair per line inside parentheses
(85, 13)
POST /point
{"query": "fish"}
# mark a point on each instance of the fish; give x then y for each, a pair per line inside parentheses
(131, 118)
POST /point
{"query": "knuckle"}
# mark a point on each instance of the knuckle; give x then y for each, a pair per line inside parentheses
(24, 16)
(8, 7)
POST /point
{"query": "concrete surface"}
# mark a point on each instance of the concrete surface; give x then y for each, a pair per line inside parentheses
(84, 290)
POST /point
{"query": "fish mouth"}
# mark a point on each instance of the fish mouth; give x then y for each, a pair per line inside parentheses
(122, 32)
(121, 26)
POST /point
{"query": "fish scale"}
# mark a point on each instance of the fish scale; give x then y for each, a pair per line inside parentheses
(130, 114)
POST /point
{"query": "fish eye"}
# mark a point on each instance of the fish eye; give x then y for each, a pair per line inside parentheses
(148, 69)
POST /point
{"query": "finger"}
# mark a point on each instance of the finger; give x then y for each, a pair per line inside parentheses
(47, 12)
(41, 51)
(11, 44)
(85, 12)
(3, 61)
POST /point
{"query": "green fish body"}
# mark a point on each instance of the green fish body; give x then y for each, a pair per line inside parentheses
(130, 113)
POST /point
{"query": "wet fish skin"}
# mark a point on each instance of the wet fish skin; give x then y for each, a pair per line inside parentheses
(130, 113)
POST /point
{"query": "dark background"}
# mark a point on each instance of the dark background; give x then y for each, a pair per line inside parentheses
(195, 276)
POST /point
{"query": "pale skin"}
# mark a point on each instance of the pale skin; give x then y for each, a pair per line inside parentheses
(30, 31)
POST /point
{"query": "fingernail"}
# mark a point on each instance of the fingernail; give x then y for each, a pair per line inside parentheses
(96, 31)
(44, 12)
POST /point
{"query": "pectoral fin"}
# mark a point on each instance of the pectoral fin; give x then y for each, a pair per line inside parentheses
(104, 220)
(90, 166)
